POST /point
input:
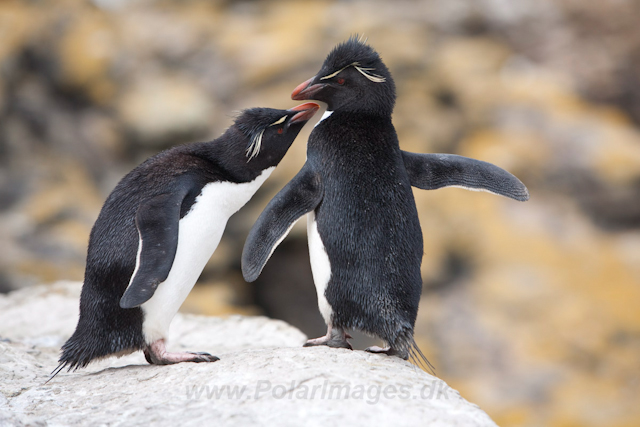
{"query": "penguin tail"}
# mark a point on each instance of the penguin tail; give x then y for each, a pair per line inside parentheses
(56, 371)
(406, 347)
(418, 358)
(69, 359)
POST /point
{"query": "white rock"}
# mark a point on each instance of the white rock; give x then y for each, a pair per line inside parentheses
(264, 377)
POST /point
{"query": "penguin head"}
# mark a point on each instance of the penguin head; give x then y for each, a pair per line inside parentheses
(353, 78)
(267, 133)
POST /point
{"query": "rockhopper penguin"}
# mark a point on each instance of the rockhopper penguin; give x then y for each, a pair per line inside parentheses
(159, 227)
(365, 240)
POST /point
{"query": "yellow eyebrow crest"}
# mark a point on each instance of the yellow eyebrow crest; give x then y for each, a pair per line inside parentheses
(337, 72)
(373, 77)
(280, 120)
(364, 71)
(254, 148)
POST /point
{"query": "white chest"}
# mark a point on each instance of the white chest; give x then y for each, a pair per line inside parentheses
(199, 234)
(320, 266)
(325, 116)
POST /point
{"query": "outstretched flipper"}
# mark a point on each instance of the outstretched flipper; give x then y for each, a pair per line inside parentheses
(300, 196)
(432, 171)
(157, 222)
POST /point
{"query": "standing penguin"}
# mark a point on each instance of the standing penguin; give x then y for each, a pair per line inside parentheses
(365, 241)
(158, 229)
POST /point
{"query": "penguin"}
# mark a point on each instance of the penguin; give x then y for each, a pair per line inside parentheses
(159, 227)
(364, 237)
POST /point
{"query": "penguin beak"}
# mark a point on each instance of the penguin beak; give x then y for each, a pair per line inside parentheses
(303, 112)
(306, 90)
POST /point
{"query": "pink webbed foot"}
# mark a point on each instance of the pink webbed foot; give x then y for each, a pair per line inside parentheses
(336, 338)
(157, 354)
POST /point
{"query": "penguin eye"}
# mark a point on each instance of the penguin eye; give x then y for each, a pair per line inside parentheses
(340, 80)
(280, 130)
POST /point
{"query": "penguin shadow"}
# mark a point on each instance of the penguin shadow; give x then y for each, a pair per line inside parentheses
(74, 375)
(285, 291)
(124, 368)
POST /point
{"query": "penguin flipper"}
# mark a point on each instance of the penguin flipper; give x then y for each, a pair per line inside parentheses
(300, 196)
(433, 171)
(157, 223)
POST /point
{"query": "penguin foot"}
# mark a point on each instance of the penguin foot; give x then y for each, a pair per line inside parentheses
(328, 342)
(336, 338)
(387, 350)
(157, 354)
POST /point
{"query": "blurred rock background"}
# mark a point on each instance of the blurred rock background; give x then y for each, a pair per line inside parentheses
(530, 309)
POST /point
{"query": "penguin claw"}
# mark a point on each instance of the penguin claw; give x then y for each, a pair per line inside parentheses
(204, 357)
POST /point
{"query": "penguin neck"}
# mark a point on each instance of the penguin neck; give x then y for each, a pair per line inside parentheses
(371, 108)
(228, 154)
(342, 134)
(340, 117)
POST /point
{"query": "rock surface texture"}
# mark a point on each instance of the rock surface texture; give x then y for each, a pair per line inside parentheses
(264, 376)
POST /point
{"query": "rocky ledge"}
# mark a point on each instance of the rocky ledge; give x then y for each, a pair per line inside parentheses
(264, 376)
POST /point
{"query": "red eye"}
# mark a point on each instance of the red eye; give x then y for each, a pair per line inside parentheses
(280, 130)
(340, 81)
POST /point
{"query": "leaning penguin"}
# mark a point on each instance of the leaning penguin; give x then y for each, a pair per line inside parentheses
(159, 227)
(365, 240)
